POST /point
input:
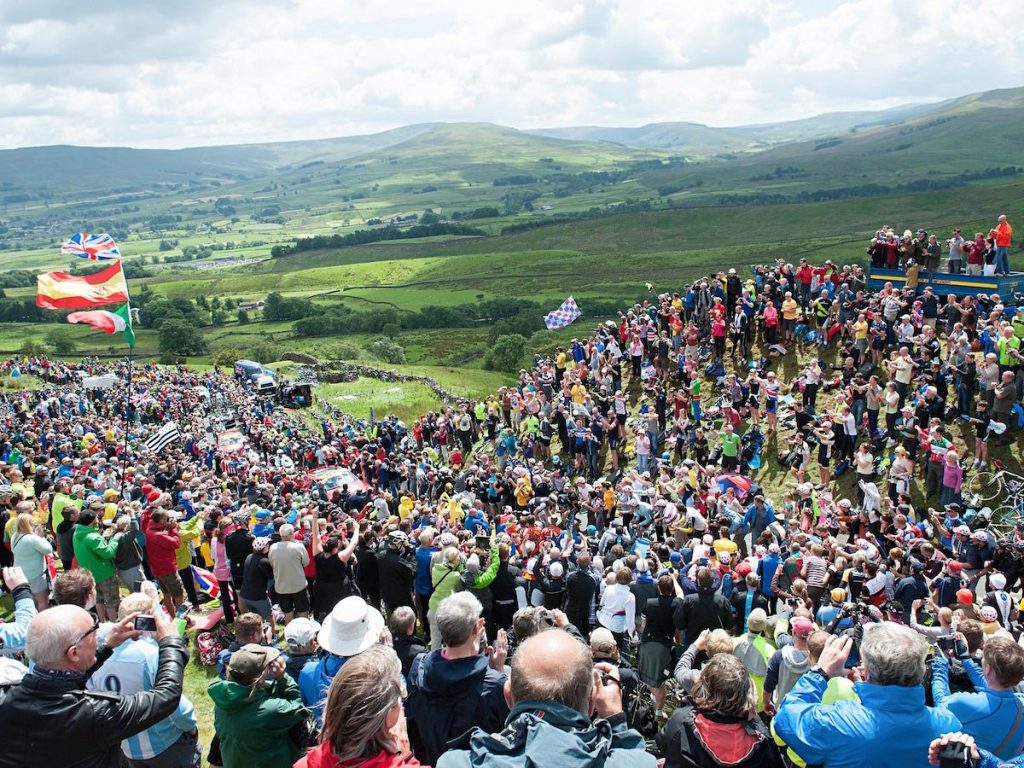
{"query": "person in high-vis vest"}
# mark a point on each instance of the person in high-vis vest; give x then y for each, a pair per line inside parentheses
(754, 650)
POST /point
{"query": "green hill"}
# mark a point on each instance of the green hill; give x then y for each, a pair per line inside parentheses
(171, 204)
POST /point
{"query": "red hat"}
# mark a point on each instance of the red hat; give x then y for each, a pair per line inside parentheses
(153, 496)
(965, 597)
(801, 626)
(954, 566)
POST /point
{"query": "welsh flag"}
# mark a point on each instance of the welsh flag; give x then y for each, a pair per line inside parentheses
(118, 321)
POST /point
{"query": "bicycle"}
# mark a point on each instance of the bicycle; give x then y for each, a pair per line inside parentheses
(985, 486)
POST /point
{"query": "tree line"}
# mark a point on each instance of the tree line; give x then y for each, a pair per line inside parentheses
(365, 236)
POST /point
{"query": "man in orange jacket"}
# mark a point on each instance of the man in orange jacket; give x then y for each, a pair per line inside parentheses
(1003, 234)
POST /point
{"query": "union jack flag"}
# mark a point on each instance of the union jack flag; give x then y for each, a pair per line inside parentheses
(99, 247)
(562, 316)
(205, 581)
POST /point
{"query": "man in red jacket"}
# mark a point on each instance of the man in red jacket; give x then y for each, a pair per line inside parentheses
(805, 275)
(162, 542)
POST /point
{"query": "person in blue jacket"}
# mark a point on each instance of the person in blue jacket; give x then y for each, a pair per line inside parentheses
(424, 560)
(350, 628)
(888, 726)
(759, 515)
(993, 714)
(12, 633)
(566, 712)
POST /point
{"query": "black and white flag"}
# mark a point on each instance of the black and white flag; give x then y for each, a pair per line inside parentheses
(163, 437)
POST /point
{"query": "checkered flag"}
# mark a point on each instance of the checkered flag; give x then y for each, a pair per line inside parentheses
(562, 316)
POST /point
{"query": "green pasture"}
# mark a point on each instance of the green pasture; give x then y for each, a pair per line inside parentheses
(407, 401)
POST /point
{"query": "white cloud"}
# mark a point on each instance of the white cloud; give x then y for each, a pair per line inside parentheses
(153, 73)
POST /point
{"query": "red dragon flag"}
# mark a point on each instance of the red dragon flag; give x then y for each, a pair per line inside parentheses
(59, 290)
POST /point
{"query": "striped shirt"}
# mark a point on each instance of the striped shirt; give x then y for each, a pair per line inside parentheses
(817, 571)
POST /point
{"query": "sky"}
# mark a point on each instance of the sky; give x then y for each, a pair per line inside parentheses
(174, 73)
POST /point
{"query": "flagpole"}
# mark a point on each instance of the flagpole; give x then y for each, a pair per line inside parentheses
(128, 400)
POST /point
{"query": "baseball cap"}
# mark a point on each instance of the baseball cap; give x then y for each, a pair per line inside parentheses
(838, 595)
(801, 626)
(249, 662)
(757, 620)
(954, 566)
(965, 597)
(997, 581)
(602, 640)
(300, 633)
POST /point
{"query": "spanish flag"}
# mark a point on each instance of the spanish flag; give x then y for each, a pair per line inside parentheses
(59, 290)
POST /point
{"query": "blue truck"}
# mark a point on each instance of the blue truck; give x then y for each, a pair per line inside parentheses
(945, 283)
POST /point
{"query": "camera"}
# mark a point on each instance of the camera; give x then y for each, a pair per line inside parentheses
(145, 624)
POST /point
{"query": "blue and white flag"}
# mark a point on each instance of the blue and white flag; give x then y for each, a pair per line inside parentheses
(562, 316)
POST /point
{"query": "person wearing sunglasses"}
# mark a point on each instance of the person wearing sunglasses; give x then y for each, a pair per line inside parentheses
(51, 719)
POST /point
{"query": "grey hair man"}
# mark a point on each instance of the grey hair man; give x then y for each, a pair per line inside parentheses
(456, 688)
(289, 559)
(50, 719)
(889, 725)
(555, 690)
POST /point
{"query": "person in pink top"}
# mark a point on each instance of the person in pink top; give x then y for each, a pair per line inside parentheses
(952, 476)
(770, 318)
(222, 567)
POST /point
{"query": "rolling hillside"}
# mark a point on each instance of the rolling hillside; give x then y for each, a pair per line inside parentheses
(246, 199)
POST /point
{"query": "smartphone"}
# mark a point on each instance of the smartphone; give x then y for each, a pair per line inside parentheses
(145, 624)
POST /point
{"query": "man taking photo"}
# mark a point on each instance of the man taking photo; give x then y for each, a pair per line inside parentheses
(50, 719)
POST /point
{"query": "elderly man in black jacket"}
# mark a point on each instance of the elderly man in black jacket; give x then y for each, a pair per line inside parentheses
(50, 719)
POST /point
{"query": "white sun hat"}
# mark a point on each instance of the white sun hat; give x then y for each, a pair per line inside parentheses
(351, 628)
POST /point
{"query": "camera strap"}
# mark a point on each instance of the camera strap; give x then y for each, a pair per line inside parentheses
(1013, 729)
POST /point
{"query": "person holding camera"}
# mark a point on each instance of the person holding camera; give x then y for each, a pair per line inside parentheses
(95, 552)
(566, 711)
(889, 725)
(994, 713)
(460, 686)
(258, 711)
(50, 718)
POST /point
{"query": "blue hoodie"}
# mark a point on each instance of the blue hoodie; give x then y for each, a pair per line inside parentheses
(315, 679)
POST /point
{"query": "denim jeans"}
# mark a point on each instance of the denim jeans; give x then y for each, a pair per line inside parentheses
(963, 400)
(1002, 259)
(858, 407)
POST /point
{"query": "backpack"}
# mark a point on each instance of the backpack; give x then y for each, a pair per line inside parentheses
(209, 645)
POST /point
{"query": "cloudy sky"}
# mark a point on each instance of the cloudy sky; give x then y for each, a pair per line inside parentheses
(172, 73)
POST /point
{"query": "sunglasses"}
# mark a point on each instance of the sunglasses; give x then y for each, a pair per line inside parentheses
(95, 626)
